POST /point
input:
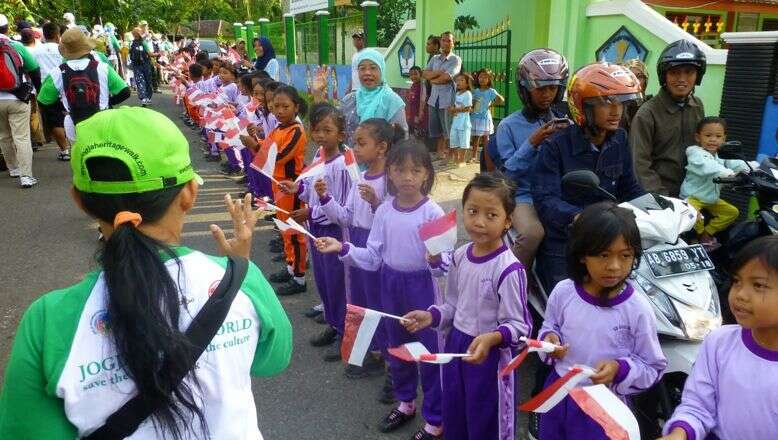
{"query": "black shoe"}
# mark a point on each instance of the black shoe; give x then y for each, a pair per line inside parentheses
(269, 217)
(394, 420)
(370, 367)
(312, 313)
(278, 258)
(424, 435)
(386, 396)
(333, 352)
(291, 287)
(281, 276)
(276, 242)
(326, 337)
(320, 319)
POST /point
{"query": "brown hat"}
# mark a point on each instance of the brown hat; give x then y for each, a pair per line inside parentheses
(73, 44)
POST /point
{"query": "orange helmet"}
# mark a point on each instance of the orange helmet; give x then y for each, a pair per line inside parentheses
(597, 83)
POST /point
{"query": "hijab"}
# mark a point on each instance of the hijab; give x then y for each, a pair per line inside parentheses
(380, 102)
(267, 54)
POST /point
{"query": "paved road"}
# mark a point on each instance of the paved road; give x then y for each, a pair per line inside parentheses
(47, 243)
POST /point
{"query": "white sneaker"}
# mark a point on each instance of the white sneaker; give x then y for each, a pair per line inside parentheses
(14, 172)
(28, 181)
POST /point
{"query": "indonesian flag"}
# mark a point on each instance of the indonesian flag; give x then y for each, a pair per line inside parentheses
(358, 332)
(282, 226)
(291, 226)
(417, 352)
(351, 165)
(197, 96)
(265, 204)
(440, 235)
(549, 397)
(533, 345)
(252, 106)
(608, 411)
(234, 56)
(265, 159)
(315, 169)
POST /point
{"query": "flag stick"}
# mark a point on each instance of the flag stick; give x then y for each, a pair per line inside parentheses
(270, 177)
(273, 207)
(399, 318)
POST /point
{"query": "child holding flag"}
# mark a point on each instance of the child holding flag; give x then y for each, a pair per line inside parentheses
(328, 171)
(373, 140)
(290, 139)
(597, 320)
(485, 314)
(722, 399)
(395, 247)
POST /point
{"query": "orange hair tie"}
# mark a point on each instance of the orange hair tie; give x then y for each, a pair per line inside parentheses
(127, 216)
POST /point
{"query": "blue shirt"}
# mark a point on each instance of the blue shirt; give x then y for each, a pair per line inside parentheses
(482, 99)
(568, 150)
(515, 155)
(442, 95)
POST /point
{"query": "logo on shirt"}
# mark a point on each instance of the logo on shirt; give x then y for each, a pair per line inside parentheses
(623, 336)
(100, 323)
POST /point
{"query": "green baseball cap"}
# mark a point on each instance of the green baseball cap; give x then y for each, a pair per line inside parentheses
(147, 142)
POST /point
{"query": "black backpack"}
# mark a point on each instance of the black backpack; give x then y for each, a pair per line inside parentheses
(82, 90)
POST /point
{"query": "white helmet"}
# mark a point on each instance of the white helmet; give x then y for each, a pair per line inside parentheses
(70, 18)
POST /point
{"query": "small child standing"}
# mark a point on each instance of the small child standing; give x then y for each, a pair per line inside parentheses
(485, 314)
(703, 165)
(328, 131)
(599, 318)
(481, 117)
(460, 124)
(722, 398)
(416, 105)
(395, 247)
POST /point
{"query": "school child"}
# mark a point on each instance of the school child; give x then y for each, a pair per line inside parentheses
(598, 320)
(258, 184)
(481, 118)
(373, 140)
(485, 313)
(732, 391)
(703, 165)
(416, 105)
(291, 140)
(227, 93)
(394, 246)
(328, 129)
(195, 76)
(460, 124)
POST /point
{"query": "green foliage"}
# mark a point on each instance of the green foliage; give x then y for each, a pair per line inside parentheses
(465, 22)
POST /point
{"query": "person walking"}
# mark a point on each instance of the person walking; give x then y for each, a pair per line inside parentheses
(140, 58)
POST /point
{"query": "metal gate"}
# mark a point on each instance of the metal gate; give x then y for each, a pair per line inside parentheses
(490, 48)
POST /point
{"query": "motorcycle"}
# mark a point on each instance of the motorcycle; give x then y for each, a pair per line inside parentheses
(675, 277)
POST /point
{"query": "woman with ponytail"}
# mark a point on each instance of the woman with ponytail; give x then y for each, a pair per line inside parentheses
(83, 352)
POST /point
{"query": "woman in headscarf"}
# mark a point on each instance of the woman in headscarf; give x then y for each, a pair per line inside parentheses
(266, 57)
(373, 99)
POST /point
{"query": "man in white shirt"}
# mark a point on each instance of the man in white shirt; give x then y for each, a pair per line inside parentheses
(359, 43)
(49, 59)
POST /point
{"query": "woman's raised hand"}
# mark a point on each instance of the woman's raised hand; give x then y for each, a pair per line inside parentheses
(244, 219)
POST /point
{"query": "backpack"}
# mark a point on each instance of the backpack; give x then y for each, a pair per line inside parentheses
(11, 75)
(82, 90)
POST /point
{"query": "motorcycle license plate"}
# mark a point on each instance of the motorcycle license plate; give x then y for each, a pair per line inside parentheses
(678, 261)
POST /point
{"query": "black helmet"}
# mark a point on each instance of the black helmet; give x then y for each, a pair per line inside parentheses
(539, 68)
(679, 53)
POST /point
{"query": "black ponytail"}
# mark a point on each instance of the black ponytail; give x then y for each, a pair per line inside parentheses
(144, 302)
(383, 131)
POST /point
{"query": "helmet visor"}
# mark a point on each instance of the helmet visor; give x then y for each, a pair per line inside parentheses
(532, 84)
(613, 99)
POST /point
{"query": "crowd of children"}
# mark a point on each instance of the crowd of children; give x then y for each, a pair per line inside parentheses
(368, 253)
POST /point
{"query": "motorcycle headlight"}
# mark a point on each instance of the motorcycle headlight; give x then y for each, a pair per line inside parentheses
(661, 300)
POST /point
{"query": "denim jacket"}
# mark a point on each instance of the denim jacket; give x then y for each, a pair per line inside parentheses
(568, 151)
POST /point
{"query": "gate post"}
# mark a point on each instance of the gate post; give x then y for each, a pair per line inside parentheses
(371, 22)
(290, 38)
(324, 37)
(263, 22)
(237, 30)
(249, 39)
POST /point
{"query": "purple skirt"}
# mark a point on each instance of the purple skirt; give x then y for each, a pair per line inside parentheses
(329, 274)
(567, 420)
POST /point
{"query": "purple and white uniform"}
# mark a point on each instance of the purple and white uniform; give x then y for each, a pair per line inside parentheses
(732, 392)
(394, 247)
(623, 329)
(357, 215)
(209, 85)
(484, 294)
(327, 268)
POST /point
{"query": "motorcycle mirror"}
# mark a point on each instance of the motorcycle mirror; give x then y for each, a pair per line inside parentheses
(730, 150)
(584, 180)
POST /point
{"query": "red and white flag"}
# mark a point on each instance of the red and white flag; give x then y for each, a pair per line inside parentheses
(315, 169)
(608, 411)
(417, 352)
(533, 345)
(352, 166)
(265, 159)
(440, 235)
(554, 393)
(252, 106)
(358, 332)
(234, 56)
(264, 204)
(291, 225)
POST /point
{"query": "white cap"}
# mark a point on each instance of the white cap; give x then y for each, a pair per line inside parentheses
(3, 20)
(69, 17)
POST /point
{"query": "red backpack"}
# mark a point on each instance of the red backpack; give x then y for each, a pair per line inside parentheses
(11, 76)
(82, 90)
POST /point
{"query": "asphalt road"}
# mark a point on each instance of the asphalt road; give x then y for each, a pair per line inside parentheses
(47, 243)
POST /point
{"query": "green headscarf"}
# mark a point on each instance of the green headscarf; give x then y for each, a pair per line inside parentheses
(380, 102)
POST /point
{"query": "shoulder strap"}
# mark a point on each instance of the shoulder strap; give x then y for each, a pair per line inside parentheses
(201, 331)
